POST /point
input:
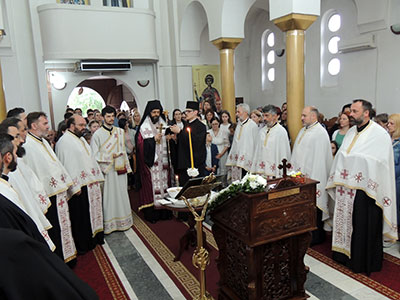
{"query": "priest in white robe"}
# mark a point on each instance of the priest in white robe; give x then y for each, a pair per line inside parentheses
(312, 156)
(41, 158)
(85, 204)
(12, 211)
(362, 183)
(272, 145)
(25, 192)
(108, 146)
(240, 157)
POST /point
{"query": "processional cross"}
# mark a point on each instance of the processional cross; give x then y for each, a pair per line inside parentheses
(285, 165)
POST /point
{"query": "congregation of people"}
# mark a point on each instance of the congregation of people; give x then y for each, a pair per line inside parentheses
(68, 188)
(354, 157)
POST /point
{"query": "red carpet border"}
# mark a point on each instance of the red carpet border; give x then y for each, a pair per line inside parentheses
(96, 270)
(385, 282)
(162, 240)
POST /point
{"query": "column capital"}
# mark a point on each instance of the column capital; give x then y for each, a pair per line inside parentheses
(227, 43)
(295, 21)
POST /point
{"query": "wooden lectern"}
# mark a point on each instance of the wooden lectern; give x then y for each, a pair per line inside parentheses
(262, 239)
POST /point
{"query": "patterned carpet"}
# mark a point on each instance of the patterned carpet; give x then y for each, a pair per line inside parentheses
(385, 282)
(96, 270)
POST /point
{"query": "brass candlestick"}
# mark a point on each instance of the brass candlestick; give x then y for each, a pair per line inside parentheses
(200, 257)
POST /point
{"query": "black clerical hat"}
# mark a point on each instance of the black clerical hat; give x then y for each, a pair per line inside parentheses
(154, 104)
(192, 105)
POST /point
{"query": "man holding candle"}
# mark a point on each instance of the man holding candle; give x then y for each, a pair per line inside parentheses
(152, 162)
(191, 143)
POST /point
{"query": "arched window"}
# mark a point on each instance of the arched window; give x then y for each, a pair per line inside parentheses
(268, 45)
(331, 25)
(85, 98)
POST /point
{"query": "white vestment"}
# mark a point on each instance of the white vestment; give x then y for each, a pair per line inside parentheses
(272, 147)
(312, 156)
(363, 162)
(159, 170)
(242, 150)
(116, 206)
(76, 155)
(35, 185)
(55, 179)
(29, 201)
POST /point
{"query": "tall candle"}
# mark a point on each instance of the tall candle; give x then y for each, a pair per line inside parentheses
(191, 148)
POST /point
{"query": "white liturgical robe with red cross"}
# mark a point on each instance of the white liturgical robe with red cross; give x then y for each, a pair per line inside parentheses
(363, 162)
(312, 156)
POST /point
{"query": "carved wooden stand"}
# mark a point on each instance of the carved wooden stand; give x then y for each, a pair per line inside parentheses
(262, 239)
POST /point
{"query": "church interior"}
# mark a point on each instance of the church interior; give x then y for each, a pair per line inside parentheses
(124, 53)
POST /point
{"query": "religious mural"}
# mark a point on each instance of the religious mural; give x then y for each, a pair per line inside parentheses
(206, 83)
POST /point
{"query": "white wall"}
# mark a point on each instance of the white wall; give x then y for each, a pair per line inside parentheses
(368, 74)
(18, 61)
(129, 78)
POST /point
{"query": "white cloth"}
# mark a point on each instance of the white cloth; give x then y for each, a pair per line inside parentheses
(116, 205)
(35, 185)
(31, 205)
(312, 156)
(225, 127)
(365, 162)
(272, 147)
(221, 139)
(242, 150)
(159, 170)
(76, 155)
(41, 158)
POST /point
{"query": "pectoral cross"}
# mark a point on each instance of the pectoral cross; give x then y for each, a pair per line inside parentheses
(160, 129)
(284, 166)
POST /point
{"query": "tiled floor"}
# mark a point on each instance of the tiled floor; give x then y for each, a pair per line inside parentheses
(145, 279)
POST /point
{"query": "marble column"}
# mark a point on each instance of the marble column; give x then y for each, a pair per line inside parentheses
(226, 48)
(294, 25)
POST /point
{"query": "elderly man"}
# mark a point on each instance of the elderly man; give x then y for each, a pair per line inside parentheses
(108, 146)
(240, 157)
(362, 183)
(272, 145)
(152, 159)
(56, 181)
(85, 204)
(312, 156)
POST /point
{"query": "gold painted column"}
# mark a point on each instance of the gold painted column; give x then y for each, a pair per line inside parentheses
(294, 25)
(226, 48)
(3, 110)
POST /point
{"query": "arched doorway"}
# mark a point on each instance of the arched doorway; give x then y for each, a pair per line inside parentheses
(112, 91)
(85, 98)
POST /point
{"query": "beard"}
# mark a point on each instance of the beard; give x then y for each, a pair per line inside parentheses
(12, 166)
(79, 133)
(357, 122)
(155, 120)
(20, 151)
